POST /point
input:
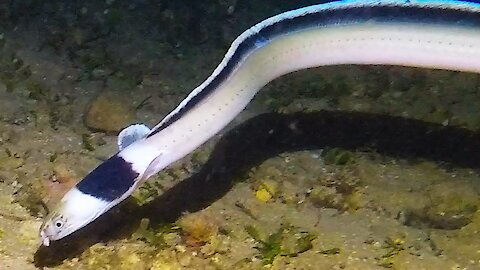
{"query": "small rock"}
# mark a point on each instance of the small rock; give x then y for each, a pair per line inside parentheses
(110, 112)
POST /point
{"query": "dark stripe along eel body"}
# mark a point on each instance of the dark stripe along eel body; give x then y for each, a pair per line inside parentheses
(421, 33)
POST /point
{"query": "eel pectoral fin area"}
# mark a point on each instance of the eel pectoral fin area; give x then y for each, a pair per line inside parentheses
(155, 166)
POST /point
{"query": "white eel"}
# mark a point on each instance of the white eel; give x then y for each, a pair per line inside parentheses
(421, 33)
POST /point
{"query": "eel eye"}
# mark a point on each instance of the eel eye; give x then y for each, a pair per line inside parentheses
(58, 224)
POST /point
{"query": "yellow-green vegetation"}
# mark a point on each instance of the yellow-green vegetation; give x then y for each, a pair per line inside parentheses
(147, 192)
(200, 156)
(263, 195)
(337, 156)
(87, 142)
(334, 185)
(343, 191)
(126, 256)
(393, 247)
(266, 190)
(286, 241)
(165, 260)
(198, 228)
(154, 236)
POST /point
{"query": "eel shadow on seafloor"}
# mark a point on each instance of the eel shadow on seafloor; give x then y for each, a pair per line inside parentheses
(265, 136)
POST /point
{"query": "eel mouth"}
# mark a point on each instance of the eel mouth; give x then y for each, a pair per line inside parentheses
(45, 240)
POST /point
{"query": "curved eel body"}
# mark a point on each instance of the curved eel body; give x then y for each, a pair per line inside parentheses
(430, 34)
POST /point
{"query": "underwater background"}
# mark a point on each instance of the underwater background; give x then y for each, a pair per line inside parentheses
(368, 167)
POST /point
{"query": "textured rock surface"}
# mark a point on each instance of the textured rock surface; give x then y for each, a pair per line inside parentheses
(323, 208)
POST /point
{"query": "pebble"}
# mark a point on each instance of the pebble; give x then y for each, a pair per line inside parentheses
(110, 112)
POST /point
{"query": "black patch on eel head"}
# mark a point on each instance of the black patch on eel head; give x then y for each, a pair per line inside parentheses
(110, 180)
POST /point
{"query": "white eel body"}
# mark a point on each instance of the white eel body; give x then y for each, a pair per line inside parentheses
(385, 38)
(390, 44)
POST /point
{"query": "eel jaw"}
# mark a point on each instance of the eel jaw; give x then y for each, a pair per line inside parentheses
(45, 240)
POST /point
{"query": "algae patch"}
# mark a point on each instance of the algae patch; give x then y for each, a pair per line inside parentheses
(286, 241)
(159, 237)
(198, 228)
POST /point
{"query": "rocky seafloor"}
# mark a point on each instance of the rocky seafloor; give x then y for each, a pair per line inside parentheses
(350, 167)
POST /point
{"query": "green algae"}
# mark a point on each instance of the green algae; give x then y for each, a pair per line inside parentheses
(149, 235)
(87, 142)
(393, 247)
(337, 156)
(286, 241)
(37, 91)
(270, 247)
(161, 236)
(330, 251)
(148, 192)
